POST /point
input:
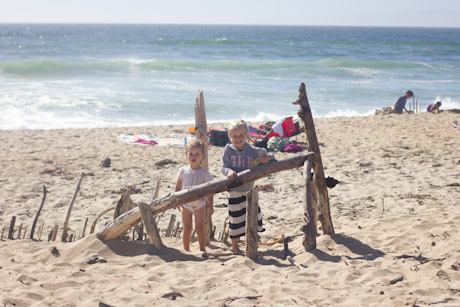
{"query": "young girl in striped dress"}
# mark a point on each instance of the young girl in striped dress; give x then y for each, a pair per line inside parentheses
(239, 156)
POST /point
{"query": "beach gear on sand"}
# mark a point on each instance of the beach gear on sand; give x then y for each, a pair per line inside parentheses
(286, 128)
(293, 148)
(277, 143)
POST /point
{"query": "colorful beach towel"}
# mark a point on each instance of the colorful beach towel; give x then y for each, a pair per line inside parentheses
(179, 140)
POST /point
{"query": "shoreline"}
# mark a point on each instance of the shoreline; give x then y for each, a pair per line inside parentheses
(394, 212)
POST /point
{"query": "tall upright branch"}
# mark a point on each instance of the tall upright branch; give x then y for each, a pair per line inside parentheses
(201, 133)
(307, 118)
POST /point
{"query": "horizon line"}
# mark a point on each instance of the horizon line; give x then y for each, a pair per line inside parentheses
(223, 24)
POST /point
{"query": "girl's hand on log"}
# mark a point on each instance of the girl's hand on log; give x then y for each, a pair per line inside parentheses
(231, 175)
(265, 159)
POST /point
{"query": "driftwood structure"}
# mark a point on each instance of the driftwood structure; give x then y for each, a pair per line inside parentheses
(315, 196)
(201, 133)
(132, 217)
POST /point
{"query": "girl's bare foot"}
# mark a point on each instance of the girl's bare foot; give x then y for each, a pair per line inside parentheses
(237, 251)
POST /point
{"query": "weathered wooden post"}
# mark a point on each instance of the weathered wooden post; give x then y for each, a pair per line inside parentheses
(252, 211)
(307, 118)
(172, 220)
(69, 211)
(150, 225)
(32, 230)
(309, 228)
(201, 133)
(11, 231)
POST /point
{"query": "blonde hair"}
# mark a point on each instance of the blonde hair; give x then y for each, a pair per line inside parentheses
(239, 125)
(194, 143)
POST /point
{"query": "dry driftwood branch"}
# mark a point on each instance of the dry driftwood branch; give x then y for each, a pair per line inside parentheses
(132, 217)
(225, 231)
(25, 231)
(32, 230)
(172, 220)
(11, 231)
(150, 226)
(84, 228)
(291, 260)
(156, 192)
(19, 231)
(201, 133)
(40, 230)
(93, 226)
(69, 211)
(54, 233)
(307, 118)
(273, 242)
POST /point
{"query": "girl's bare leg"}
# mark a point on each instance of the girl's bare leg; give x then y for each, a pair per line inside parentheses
(187, 233)
(200, 216)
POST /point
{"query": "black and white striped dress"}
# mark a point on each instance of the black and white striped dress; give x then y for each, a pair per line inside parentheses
(237, 214)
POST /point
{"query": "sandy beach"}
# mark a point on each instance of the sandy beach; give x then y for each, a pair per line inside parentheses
(395, 214)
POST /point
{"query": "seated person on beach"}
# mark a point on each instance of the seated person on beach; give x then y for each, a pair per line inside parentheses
(433, 107)
(400, 105)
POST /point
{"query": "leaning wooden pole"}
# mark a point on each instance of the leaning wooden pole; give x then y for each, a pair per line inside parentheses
(32, 230)
(309, 229)
(132, 217)
(307, 118)
(201, 133)
(69, 211)
(150, 226)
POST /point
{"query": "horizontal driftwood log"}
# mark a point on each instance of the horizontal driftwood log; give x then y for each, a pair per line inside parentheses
(132, 217)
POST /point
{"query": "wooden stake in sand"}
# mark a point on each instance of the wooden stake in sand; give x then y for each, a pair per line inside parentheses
(11, 231)
(307, 118)
(201, 133)
(132, 217)
(172, 220)
(309, 217)
(32, 230)
(84, 228)
(54, 233)
(19, 231)
(69, 211)
(252, 211)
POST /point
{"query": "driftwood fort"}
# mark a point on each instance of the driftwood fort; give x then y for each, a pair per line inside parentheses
(146, 216)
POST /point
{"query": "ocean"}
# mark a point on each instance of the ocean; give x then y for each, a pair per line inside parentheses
(55, 76)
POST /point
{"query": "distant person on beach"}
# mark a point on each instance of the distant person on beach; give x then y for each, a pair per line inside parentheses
(433, 107)
(400, 105)
(239, 156)
(189, 175)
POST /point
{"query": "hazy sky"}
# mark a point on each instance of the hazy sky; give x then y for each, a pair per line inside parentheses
(418, 13)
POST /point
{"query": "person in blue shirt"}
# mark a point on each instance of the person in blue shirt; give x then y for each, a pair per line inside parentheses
(400, 105)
